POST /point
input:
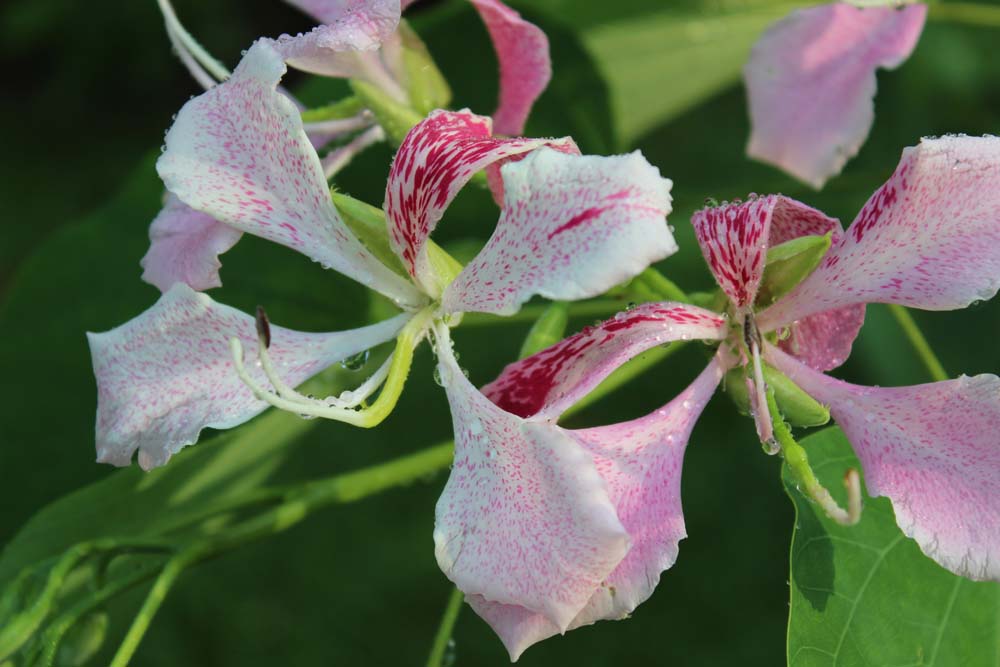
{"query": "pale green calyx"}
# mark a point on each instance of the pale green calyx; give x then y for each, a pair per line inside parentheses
(788, 264)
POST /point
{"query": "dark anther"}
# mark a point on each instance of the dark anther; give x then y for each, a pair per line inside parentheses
(263, 326)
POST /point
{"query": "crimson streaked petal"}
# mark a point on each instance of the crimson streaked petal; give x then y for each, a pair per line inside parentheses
(239, 153)
(167, 374)
(436, 159)
(545, 384)
(811, 82)
(928, 238)
(932, 450)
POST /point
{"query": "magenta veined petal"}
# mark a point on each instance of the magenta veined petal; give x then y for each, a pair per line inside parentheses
(811, 82)
(928, 238)
(525, 68)
(823, 340)
(572, 227)
(933, 450)
(436, 159)
(525, 517)
(734, 239)
(238, 152)
(545, 384)
(641, 462)
(167, 374)
(185, 245)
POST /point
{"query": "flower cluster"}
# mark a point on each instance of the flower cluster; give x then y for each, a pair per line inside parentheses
(543, 528)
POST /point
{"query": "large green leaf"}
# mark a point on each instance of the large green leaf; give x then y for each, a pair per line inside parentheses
(659, 62)
(866, 595)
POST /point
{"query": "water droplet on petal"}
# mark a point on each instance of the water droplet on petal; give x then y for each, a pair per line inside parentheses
(355, 362)
(437, 377)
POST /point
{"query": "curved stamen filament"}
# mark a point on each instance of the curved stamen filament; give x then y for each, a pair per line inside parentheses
(798, 463)
(391, 377)
(190, 51)
(359, 121)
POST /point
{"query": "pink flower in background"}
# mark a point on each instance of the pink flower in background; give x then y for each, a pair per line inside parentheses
(522, 52)
(811, 83)
(571, 226)
(928, 238)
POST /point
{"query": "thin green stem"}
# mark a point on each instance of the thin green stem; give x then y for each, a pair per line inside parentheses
(805, 478)
(919, 342)
(967, 13)
(298, 502)
(441, 640)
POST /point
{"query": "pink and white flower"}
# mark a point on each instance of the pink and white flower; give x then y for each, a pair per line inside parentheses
(571, 226)
(811, 82)
(522, 51)
(928, 238)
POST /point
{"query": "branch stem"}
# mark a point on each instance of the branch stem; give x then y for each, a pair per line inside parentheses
(919, 342)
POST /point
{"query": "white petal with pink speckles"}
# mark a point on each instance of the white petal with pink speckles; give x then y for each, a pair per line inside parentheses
(525, 69)
(933, 450)
(525, 517)
(641, 462)
(438, 156)
(238, 153)
(572, 227)
(185, 245)
(811, 79)
(346, 45)
(167, 374)
(928, 238)
(547, 383)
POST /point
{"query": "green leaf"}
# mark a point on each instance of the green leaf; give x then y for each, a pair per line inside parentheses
(866, 594)
(663, 62)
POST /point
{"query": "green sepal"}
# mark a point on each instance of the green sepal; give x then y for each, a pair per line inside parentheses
(345, 108)
(798, 408)
(368, 224)
(548, 329)
(444, 267)
(395, 118)
(426, 86)
(788, 264)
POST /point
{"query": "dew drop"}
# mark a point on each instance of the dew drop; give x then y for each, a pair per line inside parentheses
(632, 305)
(437, 377)
(770, 447)
(355, 362)
(784, 333)
(448, 659)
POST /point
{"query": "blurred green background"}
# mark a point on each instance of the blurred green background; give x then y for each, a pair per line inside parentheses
(93, 87)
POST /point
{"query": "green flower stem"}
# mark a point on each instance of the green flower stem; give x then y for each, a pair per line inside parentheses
(664, 288)
(298, 502)
(443, 636)
(968, 13)
(805, 479)
(919, 343)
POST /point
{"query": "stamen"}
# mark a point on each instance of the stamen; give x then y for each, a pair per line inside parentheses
(361, 120)
(186, 44)
(307, 409)
(391, 377)
(798, 463)
(341, 157)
